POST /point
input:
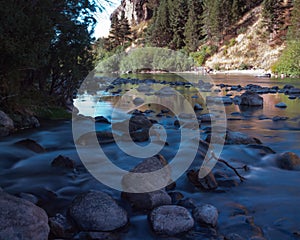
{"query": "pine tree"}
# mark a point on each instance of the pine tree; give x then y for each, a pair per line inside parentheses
(178, 12)
(272, 15)
(160, 31)
(193, 26)
(124, 30)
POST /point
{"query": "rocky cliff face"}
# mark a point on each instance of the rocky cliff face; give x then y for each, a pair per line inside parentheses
(135, 11)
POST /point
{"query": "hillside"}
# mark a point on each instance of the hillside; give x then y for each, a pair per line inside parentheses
(237, 34)
(253, 47)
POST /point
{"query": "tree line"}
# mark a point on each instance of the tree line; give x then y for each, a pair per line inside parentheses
(45, 49)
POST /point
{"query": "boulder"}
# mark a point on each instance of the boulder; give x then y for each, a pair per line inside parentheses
(20, 219)
(198, 107)
(171, 220)
(31, 145)
(64, 162)
(206, 214)
(97, 211)
(60, 227)
(281, 105)
(6, 124)
(25, 120)
(279, 118)
(138, 101)
(101, 119)
(207, 183)
(141, 182)
(250, 98)
(288, 161)
(148, 201)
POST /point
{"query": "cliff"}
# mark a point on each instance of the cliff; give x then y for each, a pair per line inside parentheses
(136, 11)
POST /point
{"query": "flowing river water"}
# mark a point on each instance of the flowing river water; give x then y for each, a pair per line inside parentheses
(266, 204)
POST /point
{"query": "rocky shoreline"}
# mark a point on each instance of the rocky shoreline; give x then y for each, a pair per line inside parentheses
(170, 213)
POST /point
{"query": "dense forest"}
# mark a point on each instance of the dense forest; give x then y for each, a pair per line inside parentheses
(200, 28)
(45, 51)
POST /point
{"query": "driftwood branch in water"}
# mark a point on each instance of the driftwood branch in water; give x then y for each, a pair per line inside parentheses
(231, 167)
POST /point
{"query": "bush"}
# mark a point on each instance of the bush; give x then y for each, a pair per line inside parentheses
(289, 61)
(243, 66)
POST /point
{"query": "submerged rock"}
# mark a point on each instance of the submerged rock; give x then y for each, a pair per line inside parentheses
(26, 120)
(250, 98)
(198, 107)
(233, 138)
(31, 145)
(281, 105)
(233, 236)
(171, 220)
(138, 101)
(97, 211)
(20, 219)
(6, 124)
(64, 162)
(206, 214)
(288, 161)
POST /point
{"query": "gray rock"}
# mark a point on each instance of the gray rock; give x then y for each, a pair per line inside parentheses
(294, 91)
(20, 219)
(206, 118)
(138, 101)
(97, 211)
(6, 124)
(137, 182)
(281, 105)
(101, 119)
(288, 161)
(206, 214)
(251, 99)
(171, 220)
(59, 226)
(148, 201)
(26, 120)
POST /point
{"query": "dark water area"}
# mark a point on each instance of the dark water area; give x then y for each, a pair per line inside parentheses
(269, 198)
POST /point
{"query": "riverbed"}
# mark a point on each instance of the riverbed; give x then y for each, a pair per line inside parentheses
(266, 204)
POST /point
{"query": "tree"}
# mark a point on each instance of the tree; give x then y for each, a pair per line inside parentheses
(124, 30)
(45, 47)
(272, 14)
(193, 25)
(178, 12)
(160, 34)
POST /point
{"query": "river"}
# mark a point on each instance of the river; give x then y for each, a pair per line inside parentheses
(269, 198)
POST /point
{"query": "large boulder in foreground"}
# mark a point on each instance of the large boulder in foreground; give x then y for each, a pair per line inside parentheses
(250, 98)
(171, 220)
(97, 211)
(20, 219)
(288, 161)
(6, 124)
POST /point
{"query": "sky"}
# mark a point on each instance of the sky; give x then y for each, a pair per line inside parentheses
(103, 22)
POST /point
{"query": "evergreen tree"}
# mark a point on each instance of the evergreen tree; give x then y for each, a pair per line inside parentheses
(160, 31)
(178, 12)
(124, 30)
(193, 26)
(114, 36)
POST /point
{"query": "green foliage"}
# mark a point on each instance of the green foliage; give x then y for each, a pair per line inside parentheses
(201, 56)
(147, 58)
(244, 66)
(272, 14)
(45, 46)
(289, 62)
